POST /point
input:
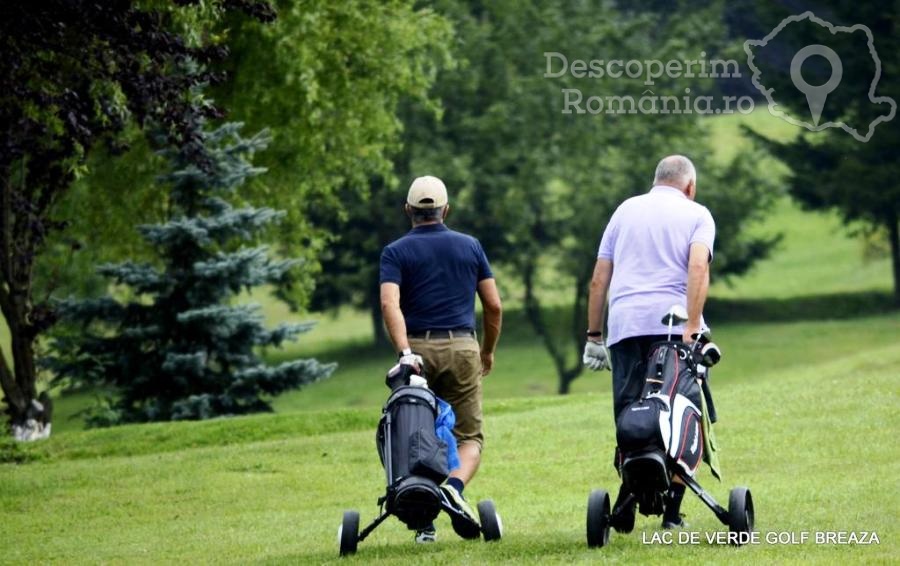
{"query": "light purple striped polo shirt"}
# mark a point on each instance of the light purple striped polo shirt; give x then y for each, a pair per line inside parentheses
(648, 240)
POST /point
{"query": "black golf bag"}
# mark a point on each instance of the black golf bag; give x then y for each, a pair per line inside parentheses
(414, 458)
(664, 424)
(415, 461)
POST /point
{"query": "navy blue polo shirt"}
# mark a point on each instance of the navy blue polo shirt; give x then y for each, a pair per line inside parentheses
(438, 271)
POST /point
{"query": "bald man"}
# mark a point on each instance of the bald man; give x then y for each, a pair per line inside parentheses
(655, 252)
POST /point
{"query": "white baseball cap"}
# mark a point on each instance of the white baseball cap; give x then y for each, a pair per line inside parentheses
(427, 192)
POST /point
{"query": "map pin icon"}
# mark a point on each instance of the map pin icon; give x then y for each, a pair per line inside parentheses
(816, 95)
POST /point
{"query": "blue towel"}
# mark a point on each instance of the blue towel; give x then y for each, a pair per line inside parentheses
(443, 427)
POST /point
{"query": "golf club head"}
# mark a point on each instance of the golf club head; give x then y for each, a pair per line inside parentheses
(711, 354)
(418, 381)
(676, 315)
(702, 337)
(399, 375)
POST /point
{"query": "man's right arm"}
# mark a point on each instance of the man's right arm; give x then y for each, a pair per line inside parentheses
(393, 316)
(493, 320)
(697, 287)
(597, 299)
(596, 356)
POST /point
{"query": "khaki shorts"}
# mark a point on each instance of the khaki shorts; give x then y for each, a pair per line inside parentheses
(453, 370)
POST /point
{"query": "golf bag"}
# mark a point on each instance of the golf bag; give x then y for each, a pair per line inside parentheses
(418, 450)
(414, 458)
(664, 423)
(662, 437)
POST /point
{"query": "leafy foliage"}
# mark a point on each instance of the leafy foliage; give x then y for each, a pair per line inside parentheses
(536, 185)
(327, 79)
(74, 73)
(178, 349)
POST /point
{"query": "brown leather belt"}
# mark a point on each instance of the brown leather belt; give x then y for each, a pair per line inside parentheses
(443, 334)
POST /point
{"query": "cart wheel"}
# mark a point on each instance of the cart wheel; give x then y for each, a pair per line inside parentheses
(491, 525)
(740, 510)
(598, 519)
(348, 533)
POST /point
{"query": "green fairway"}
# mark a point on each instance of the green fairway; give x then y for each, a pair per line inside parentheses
(812, 436)
(816, 256)
(729, 140)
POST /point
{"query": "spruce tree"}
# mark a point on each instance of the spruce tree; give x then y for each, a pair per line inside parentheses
(179, 348)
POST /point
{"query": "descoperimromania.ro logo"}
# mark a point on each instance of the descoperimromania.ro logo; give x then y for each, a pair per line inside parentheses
(817, 95)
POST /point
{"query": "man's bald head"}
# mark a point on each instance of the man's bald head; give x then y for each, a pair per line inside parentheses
(676, 171)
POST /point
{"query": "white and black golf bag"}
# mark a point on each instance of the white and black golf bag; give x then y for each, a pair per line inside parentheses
(414, 458)
(663, 427)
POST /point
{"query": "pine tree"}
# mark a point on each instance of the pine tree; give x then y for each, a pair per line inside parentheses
(179, 348)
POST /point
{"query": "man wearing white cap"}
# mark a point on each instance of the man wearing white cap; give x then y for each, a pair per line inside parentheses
(429, 279)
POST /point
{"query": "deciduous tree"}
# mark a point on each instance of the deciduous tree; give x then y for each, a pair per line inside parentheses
(74, 73)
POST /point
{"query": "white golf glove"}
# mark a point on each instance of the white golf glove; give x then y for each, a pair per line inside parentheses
(596, 356)
(414, 360)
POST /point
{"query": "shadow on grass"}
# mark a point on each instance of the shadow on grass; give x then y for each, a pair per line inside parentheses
(813, 307)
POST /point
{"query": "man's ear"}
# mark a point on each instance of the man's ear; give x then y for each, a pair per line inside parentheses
(446, 212)
(407, 210)
(691, 189)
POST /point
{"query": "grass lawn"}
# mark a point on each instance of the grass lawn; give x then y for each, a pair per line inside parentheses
(728, 139)
(810, 430)
(817, 256)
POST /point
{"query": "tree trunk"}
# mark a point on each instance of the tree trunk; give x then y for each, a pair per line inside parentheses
(380, 337)
(894, 238)
(18, 378)
(579, 327)
(13, 396)
(29, 414)
(535, 317)
(28, 419)
(566, 378)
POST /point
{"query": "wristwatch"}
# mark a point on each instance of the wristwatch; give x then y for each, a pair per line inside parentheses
(594, 333)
